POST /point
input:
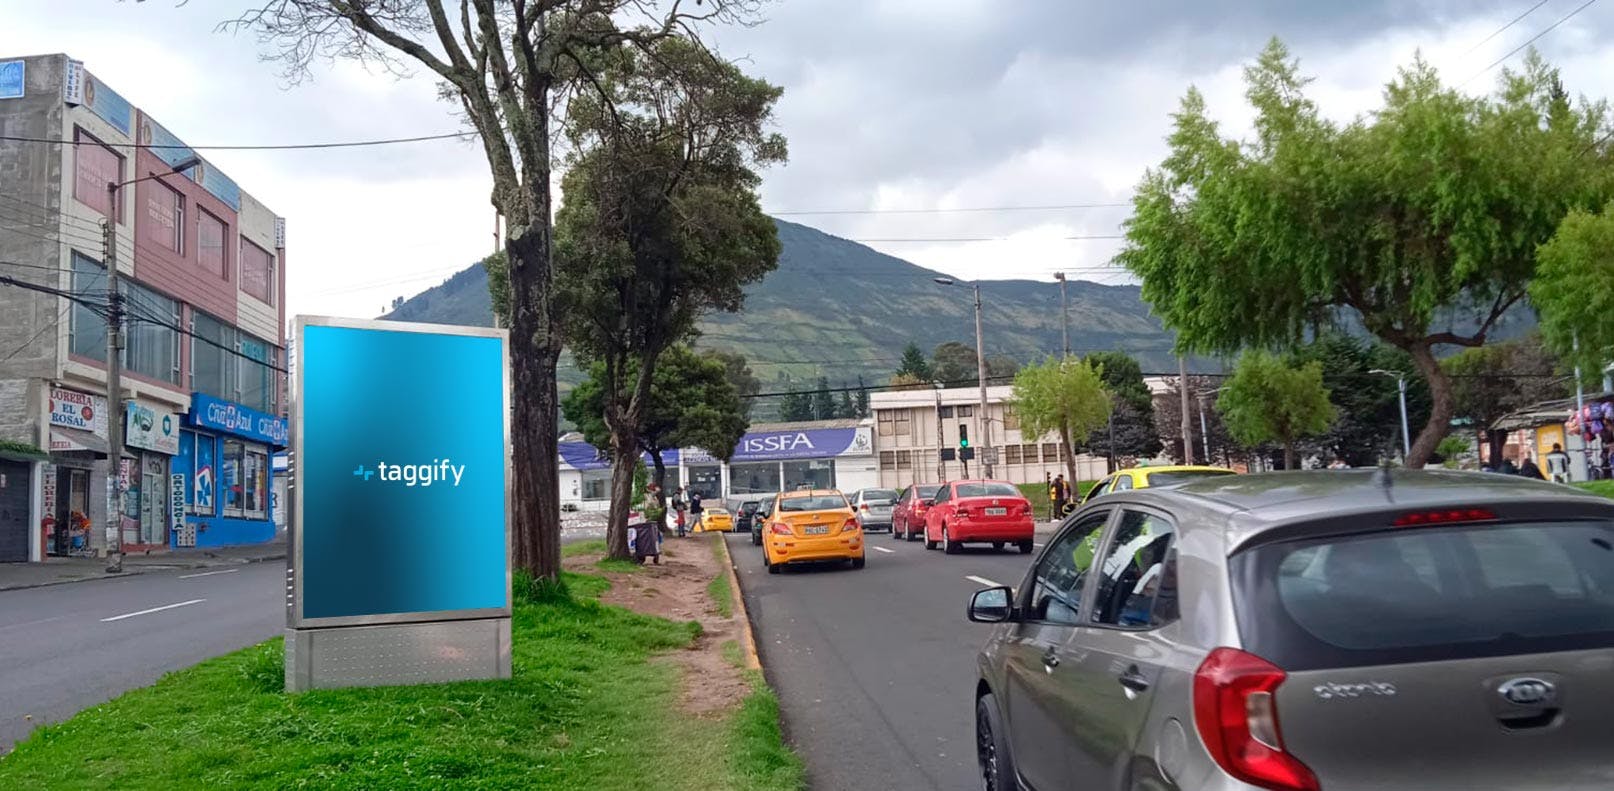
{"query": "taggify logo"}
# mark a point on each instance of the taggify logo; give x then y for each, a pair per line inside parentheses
(439, 471)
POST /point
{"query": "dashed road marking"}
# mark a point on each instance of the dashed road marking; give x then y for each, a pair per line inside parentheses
(883, 549)
(152, 610)
(982, 581)
(208, 573)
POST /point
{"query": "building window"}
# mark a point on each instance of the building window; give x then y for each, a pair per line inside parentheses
(903, 425)
(754, 478)
(212, 358)
(886, 422)
(94, 167)
(88, 328)
(165, 209)
(255, 377)
(945, 411)
(966, 411)
(210, 233)
(198, 451)
(255, 483)
(152, 348)
(816, 473)
(1050, 452)
(257, 272)
(596, 484)
(230, 475)
(1029, 453)
(1010, 419)
(904, 460)
(888, 460)
(1011, 454)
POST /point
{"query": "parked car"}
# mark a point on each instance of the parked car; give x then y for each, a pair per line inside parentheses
(872, 507)
(1338, 630)
(759, 520)
(979, 511)
(744, 513)
(908, 515)
(716, 519)
(1144, 477)
(811, 525)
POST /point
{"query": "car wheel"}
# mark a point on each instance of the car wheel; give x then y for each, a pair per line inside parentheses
(756, 539)
(992, 747)
(1026, 547)
(928, 543)
(949, 546)
(858, 563)
(998, 545)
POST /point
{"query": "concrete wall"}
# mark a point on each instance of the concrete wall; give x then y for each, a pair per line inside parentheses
(253, 315)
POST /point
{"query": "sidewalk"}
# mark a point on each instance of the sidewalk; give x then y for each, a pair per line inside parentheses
(55, 571)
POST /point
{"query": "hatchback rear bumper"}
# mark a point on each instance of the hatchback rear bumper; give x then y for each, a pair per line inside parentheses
(803, 550)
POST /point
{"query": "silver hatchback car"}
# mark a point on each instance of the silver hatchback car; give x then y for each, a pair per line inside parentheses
(1309, 631)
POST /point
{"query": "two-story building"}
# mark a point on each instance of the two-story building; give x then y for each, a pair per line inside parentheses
(202, 283)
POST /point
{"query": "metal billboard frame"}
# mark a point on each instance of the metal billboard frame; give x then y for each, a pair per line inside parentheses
(294, 522)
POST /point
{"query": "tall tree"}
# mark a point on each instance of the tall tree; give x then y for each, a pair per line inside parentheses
(1492, 381)
(823, 401)
(953, 362)
(509, 66)
(1367, 425)
(862, 397)
(847, 407)
(1201, 412)
(693, 403)
(1421, 220)
(1132, 422)
(796, 407)
(1574, 290)
(739, 372)
(1062, 396)
(914, 364)
(1267, 401)
(661, 223)
(1001, 367)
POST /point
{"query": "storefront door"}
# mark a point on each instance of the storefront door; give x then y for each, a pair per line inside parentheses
(153, 499)
(72, 531)
(14, 517)
(708, 481)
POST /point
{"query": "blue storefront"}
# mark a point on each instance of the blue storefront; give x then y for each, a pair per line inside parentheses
(224, 465)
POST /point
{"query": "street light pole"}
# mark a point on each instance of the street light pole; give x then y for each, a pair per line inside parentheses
(980, 370)
(1401, 388)
(1204, 433)
(1064, 313)
(1187, 418)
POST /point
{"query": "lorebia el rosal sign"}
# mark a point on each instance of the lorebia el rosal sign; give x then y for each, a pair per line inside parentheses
(401, 473)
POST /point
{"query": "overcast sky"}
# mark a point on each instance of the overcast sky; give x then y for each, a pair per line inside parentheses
(888, 104)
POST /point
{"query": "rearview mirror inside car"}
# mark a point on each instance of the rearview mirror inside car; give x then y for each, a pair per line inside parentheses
(991, 605)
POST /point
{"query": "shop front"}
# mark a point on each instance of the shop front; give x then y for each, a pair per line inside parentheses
(78, 467)
(784, 457)
(585, 475)
(220, 477)
(150, 515)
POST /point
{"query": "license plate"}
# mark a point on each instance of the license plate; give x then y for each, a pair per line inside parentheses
(997, 512)
(816, 530)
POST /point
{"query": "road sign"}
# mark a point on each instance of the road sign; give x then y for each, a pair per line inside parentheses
(989, 455)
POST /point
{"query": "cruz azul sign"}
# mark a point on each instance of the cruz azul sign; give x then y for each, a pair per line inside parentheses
(232, 418)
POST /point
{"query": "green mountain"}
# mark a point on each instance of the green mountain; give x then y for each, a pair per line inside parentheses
(837, 309)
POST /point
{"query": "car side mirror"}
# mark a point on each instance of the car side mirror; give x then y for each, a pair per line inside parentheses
(992, 605)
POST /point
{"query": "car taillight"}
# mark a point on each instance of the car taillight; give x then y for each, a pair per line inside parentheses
(863, 507)
(1025, 509)
(1444, 516)
(1237, 719)
(780, 528)
(851, 524)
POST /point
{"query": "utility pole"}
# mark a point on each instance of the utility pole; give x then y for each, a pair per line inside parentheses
(980, 370)
(1204, 433)
(941, 464)
(1064, 312)
(1187, 414)
(114, 386)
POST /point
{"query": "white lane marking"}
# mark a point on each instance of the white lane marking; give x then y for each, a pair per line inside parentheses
(982, 581)
(1035, 544)
(208, 573)
(883, 549)
(152, 610)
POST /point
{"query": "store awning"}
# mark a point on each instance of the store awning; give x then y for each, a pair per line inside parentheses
(67, 440)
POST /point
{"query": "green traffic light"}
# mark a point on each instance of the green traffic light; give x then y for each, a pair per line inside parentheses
(963, 443)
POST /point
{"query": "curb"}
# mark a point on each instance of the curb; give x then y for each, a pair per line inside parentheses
(749, 641)
(137, 569)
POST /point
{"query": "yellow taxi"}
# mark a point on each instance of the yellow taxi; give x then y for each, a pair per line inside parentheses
(1144, 477)
(811, 525)
(716, 520)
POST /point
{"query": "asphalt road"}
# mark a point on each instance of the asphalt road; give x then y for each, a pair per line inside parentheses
(875, 668)
(64, 648)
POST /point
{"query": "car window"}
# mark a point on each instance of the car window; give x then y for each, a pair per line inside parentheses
(927, 492)
(1098, 489)
(1184, 476)
(942, 495)
(882, 496)
(1133, 585)
(986, 490)
(814, 502)
(1056, 584)
(1122, 483)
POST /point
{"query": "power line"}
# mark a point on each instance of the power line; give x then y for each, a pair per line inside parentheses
(42, 330)
(1500, 30)
(989, 238)
(1532, 40)
(257, 147)
(1051, 207)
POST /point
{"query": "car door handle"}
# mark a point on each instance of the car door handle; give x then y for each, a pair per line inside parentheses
(1050, 659)
(1133, 680)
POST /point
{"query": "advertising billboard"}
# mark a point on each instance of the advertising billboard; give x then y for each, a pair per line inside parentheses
(401, 471)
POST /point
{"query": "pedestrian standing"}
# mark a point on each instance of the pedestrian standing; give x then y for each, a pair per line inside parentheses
(1508, 467)
(1528, 468)
(679, 506)
(1558, 464)
(647, 541)
(694, 511)
(1058, 493)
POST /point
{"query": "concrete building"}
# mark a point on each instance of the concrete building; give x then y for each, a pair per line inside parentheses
(202, 267)
(912, 426)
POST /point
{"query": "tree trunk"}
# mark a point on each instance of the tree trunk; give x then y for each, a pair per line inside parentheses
(1070, 458)
(1441, 405)
(1288, 455)
(616, 529)
(1498, 441)
(535, 406)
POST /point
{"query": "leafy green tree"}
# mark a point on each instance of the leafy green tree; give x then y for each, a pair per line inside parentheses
(1492, 381)
(823, 401)
(693, 403)
(1267, 401)
(739, 372)
(953, 362)
(914, 364)
(1062, 396)
(1367, 425)
(661, 223)
(1421, 219)
(862, 398)
(1168, 422)
(795, 407)
(1574, 289)
(1132, 422)
(510, 71)
(847, 408)
(1000, 368)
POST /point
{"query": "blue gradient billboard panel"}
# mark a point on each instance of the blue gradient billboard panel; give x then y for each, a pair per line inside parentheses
(402, 473)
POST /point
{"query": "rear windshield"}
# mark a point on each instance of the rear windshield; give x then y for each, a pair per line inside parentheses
(879, 495)
(1183, 476)
(928, 491)
(986, 490)
(1428, 594)
(817, 502)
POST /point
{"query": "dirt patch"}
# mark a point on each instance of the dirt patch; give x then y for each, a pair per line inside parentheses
(676, 590)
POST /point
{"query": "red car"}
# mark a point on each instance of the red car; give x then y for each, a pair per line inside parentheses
(979, 511)
(908, 516)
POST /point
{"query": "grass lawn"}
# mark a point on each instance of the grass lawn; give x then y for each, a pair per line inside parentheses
(719, 590)
(1037, 493)
(1605, 488)
(586, 709)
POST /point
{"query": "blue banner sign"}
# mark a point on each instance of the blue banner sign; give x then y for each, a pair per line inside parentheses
(105, 102)
(401, 474)
(172, 151)
(13, 79)
(583, 456)
(232, 418)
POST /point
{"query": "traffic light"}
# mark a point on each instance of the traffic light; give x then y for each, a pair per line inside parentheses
(963, 435)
